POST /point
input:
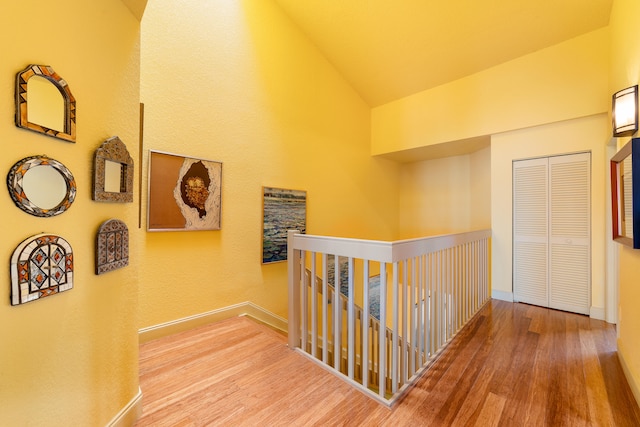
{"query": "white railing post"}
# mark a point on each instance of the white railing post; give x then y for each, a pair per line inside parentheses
(293, 270)
(351, 322)
(406, 346)
(412, 318)
(365, 327)
(337, 315)
(325, 309)
(314, 307)
(394, 330)
(382, 341)
(303, 303)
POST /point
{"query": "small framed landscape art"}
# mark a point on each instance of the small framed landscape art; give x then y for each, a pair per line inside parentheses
(185, 193)
(283, 210)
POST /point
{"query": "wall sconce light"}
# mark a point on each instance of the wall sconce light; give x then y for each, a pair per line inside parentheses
(625, 112)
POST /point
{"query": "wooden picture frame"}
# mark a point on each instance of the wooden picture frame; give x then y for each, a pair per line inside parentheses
(113, 163)
(185, 193)
(282, 210)
(625, 194)
(46, 73)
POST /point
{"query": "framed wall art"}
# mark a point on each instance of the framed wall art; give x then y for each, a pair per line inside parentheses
(112, 246)
(625, 194)
(282, 210)
(41, 186)
(185, 193)
(41, 266)
(112, 172)
(44, 103)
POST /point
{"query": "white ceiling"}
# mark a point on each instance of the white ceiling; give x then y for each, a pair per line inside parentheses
(389, 49)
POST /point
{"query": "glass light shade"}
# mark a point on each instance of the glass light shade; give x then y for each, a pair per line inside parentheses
(625, 112)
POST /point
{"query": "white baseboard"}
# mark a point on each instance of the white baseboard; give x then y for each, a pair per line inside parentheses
(243, 309)
(502, 295)
(635, 387)
(130, 413)
(597, 313)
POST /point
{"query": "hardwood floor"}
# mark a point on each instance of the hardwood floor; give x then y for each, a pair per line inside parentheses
(513, 365)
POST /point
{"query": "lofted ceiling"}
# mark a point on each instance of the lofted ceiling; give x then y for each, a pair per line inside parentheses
(389, 49)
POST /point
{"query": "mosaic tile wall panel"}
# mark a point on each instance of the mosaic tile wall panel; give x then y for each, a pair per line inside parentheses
(112, 246)
(41, 266)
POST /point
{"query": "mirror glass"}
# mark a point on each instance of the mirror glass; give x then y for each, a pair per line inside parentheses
(112, 176)
(44, 186)
(626, 193)
(45, 104)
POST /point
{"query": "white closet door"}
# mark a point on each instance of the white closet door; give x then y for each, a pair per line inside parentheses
(569, 232)
(530, 242)
(551, 232)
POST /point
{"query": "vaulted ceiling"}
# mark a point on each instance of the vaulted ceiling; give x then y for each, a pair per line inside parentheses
(389, 49)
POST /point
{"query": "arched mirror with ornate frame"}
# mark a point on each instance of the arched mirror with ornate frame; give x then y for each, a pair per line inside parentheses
(39, 109)
(41, 186)
(113, 172)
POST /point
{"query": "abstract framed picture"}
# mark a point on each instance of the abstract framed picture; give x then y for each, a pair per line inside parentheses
(185, 193)
(283, 210)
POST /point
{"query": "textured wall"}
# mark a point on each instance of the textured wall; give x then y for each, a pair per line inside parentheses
(562, 82)
(71, 357)
(238, 83)
(625, 72)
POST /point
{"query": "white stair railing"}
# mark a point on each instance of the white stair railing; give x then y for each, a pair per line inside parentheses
(419, 293)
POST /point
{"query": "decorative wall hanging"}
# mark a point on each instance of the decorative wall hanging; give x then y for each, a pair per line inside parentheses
(283, 210)
(41, 266)
(113, 172)
(44, 103)
(112, 246)
(184, 193)
(41, 186)
(625, 194)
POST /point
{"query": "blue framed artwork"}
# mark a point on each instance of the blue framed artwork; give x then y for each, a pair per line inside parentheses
(283, 210)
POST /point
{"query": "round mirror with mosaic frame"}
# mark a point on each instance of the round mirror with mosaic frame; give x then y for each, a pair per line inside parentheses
(41, 186)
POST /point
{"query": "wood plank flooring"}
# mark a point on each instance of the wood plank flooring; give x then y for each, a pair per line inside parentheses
(512, 365)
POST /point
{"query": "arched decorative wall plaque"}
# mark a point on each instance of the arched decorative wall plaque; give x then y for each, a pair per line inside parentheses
(41, 186)
(41, 266)
(113, 172)
(67, 129)
(112, 246)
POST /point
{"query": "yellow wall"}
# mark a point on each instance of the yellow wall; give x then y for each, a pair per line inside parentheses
(447, 195)
(237, 82)
(625, 72)
(550, 102)
(70, 358)
(563, 82)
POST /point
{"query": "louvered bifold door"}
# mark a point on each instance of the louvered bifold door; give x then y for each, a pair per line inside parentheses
(569, 233)
(530, 233)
